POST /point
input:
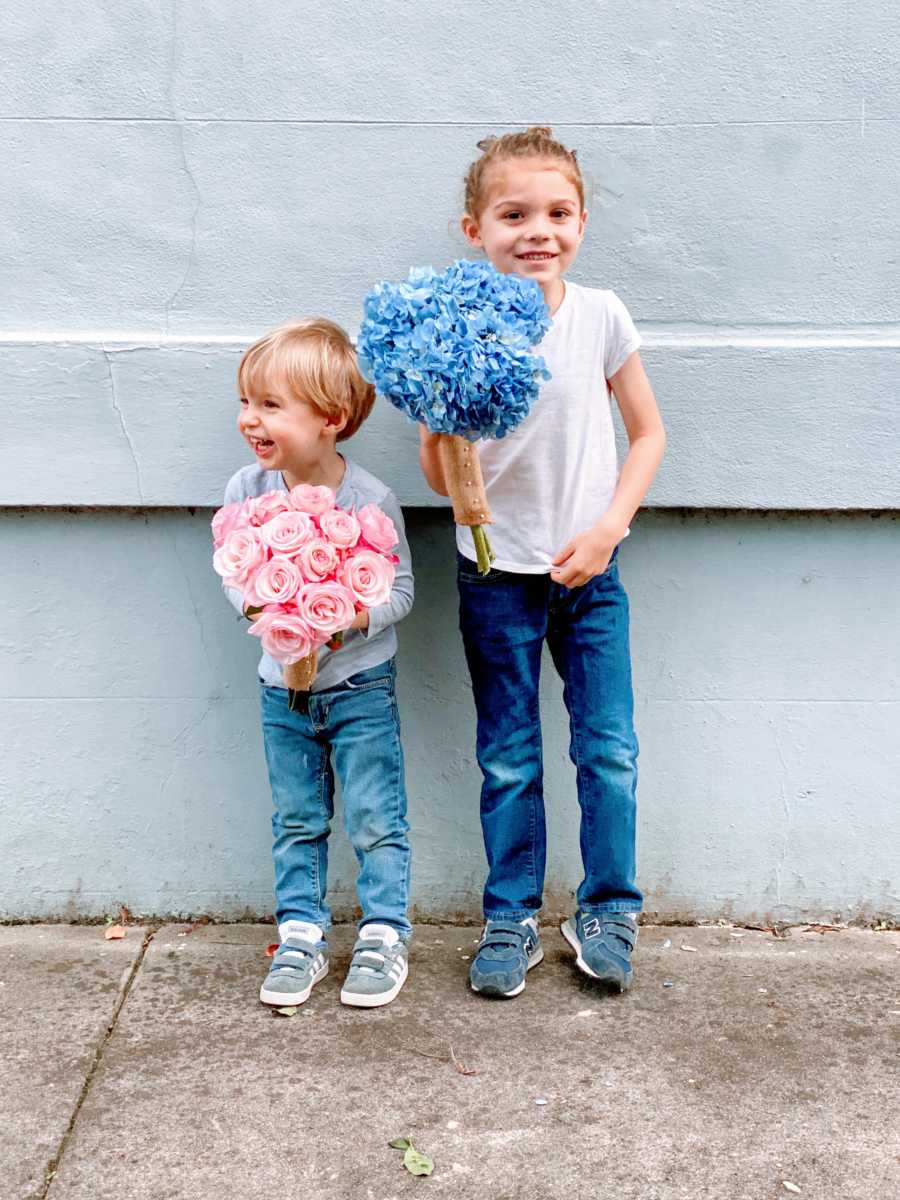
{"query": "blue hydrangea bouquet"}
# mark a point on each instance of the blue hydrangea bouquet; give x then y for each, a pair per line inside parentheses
(453, 350)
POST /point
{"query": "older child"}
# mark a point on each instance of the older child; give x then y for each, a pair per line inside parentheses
(300, 394)
(561, 509)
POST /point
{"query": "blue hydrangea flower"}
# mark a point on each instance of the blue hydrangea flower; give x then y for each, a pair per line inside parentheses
(454, 349)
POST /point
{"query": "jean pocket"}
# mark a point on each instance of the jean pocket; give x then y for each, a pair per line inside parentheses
(364, 683)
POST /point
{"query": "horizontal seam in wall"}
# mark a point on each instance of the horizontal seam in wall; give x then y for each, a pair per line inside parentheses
(442, 505)
(659, 335)
(398, 123)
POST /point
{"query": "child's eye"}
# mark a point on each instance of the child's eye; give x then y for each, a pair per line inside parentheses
(512, 216)
(270, 403)
(244, 402)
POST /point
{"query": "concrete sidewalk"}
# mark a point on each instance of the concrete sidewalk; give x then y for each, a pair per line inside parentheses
(146, 1068)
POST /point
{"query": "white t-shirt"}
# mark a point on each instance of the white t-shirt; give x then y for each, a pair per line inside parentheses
(555, 475)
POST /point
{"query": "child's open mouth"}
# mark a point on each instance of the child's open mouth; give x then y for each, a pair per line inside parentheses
(262, 446)
(537, 256)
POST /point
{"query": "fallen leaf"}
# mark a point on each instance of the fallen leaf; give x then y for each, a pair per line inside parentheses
(790, 1187)
(690, 949)
(416, 1162)
(460, 1067)
(399, 1144)
(271, 948)
(113, 932)
(823, 929)
(290, 1011)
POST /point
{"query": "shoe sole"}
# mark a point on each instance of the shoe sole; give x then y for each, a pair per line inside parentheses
(291, 999)
(567, 929)
(377, 999)
(532, 962)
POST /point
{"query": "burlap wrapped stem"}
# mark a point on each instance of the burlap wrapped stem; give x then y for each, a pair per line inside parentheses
(462, 474)
(299, 678)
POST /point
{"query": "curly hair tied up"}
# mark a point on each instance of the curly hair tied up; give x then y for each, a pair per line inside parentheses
(535, 142)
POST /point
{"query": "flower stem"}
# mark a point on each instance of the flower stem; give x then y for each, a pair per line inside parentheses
(483, 552)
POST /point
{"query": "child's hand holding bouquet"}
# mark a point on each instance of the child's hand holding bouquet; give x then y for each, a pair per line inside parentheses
(305, 570)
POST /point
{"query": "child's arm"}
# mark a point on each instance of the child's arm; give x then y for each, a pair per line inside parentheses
(400, 602)
(589, 552)
(430, 461)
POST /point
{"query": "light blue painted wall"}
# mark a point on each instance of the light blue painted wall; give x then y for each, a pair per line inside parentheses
(767, 715)
(177, 179)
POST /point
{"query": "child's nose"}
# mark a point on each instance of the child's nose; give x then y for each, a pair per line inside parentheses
(538, 231)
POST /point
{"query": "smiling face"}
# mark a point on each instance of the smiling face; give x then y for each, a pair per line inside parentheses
(286, 433)
(531, 223)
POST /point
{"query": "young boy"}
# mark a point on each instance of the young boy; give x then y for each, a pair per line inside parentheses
(301, 392)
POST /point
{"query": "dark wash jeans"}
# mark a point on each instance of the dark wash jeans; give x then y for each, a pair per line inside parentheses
(356, 725)
(504, 619)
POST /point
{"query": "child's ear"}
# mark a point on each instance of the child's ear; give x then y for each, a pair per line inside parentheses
(469, 226)
(336, 425)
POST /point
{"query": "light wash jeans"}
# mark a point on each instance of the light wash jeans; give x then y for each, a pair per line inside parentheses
(356, 726)
(505, 619)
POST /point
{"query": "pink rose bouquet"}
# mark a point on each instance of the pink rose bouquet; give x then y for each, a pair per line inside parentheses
(304, 568)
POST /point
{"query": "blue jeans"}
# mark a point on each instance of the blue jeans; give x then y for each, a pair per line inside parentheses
(504, 619)
(356, 724)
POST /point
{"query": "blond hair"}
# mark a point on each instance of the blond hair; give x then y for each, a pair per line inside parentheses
(314, 358)
(535, 142)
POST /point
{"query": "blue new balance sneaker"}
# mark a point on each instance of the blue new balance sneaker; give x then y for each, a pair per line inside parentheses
(506, 953)
(603, 944)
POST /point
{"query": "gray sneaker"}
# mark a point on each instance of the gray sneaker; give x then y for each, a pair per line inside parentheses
(506, 953)
(603, 945)
(378, 968)
(299, 962)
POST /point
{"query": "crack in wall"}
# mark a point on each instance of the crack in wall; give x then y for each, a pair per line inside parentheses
(788, 815)
(193, 602)
(180, 126)
(107, 354)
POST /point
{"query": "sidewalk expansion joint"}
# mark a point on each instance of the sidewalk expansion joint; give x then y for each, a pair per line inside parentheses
(55, 1162)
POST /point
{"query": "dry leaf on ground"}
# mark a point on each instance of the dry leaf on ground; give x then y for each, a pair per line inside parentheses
(113, 932)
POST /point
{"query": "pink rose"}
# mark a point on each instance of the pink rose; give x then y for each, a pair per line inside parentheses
(317, 560)
(287, 638)
(369, 577)
(377, 528)
(288, 531)
(227, 518)
(341, 528)
(314, 500)
(261, 509)
(275, 582)
(325, 607)
(239, 555)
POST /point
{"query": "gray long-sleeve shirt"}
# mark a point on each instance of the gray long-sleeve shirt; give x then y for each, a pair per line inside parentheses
(362, 648)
